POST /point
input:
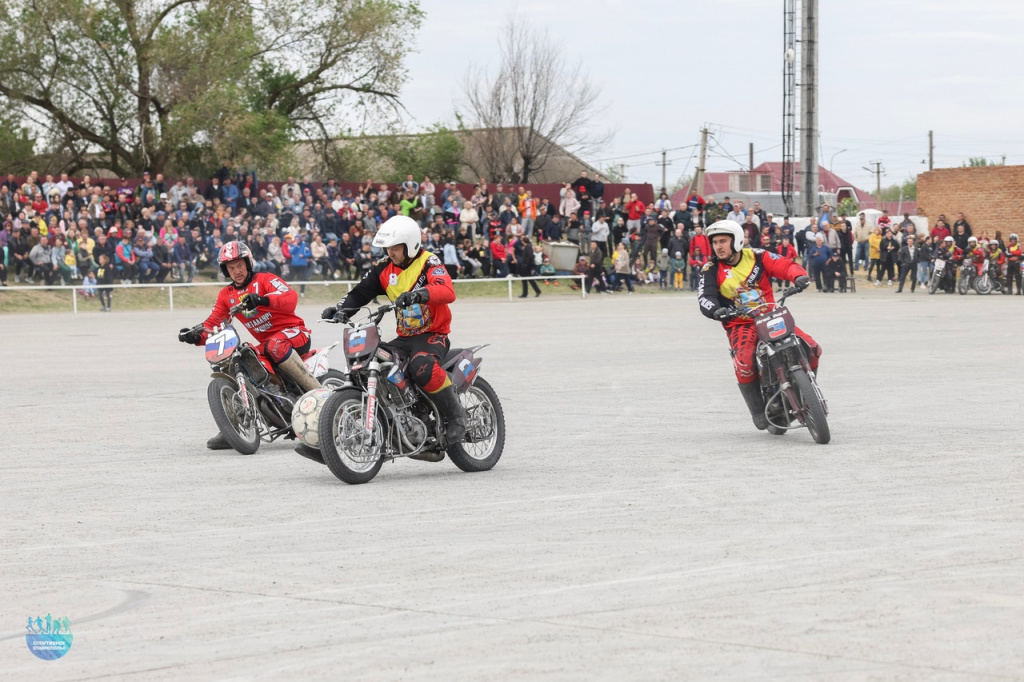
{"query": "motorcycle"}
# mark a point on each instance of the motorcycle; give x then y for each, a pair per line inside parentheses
(989, 280)
(968, 273)
(379, 414)
(249, 401)
(936, 278)
(788, 385)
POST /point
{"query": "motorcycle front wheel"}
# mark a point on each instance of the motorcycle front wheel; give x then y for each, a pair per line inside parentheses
(351, 457)
(933, 284)
(963, 285)
(983, 285)
(485, 429)
(236, 420)
(812, 407)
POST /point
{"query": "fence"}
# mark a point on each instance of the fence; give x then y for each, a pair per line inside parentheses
(170, 286)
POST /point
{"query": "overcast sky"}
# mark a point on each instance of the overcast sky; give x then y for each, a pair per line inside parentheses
(891, 70)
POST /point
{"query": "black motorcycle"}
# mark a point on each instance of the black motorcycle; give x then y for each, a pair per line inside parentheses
(379, 414)
(788, 384)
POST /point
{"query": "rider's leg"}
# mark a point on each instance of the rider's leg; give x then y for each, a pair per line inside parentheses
(742, 344)
(284, 350)
(427, 350)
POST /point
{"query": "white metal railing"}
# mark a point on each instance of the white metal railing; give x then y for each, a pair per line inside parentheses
(170, 286)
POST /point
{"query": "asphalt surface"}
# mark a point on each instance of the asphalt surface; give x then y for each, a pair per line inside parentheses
(637, 526)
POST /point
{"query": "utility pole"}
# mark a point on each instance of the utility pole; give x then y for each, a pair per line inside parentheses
(698, 177)
(751, 157)
(877, 170)
(663, 164)
(809, 108)
(931, 150)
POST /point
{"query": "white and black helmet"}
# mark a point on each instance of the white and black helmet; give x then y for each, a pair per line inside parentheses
(729, 227)
(948, 239)
(397, 230)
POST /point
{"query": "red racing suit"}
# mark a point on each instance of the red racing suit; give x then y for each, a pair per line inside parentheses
(276, 327)
(422, 328)
(746, 286)
(977, 255)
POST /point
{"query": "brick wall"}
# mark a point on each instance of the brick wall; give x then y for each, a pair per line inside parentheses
(989, 197)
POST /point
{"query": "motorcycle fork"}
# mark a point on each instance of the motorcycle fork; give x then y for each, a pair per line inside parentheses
(371, 401)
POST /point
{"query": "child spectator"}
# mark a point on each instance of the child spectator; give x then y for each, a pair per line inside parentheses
(677, 270)
(547, 269)
(663, 263)
(104, 278)
(88, 284)
(697, 261)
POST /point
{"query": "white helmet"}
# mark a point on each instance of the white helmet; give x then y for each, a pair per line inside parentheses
(399, 229)
(1014, 236)
(972, 240)
(948, 239)
(729, 227)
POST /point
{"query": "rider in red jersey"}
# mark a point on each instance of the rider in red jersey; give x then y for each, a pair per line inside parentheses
(268, 313)
(739, 279)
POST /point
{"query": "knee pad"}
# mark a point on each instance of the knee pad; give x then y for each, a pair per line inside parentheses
(277, 350)
(427, 373)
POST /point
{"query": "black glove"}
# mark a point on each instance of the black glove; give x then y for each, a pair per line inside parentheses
(413, 297)
(802, 282)
(186, 335)
(253, 301)
(329, 313)
(723, 313)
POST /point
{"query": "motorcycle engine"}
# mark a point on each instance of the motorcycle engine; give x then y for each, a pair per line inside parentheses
(414, 431)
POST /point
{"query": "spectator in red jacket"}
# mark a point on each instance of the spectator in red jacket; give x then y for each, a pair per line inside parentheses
(635, 212)
(498, 255)
(699, 239)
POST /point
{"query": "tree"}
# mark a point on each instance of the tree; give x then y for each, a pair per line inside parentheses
(847, 206)
(980, 162)
(534, 104)
(389, 158)
(131, 85)
(908, 189)
(17, 145)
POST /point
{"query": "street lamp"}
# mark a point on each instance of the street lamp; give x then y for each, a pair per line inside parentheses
(833, 158)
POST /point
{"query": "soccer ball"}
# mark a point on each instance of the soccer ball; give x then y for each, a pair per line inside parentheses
(306, 416)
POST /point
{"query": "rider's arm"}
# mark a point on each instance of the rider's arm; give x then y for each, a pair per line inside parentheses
(220, 313)
(781, 268)
(368, 289)
(439, 284)
(281, 296)
(707, 292)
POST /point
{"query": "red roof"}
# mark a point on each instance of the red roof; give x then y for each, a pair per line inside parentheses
(717, 184)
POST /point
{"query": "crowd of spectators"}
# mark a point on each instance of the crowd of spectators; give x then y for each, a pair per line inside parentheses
(102, 232)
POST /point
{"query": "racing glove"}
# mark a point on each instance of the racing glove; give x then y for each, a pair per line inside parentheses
(723, 313)
(802, 282)
(409, 298)
(253, 301)
(335, 313)
(187, 335)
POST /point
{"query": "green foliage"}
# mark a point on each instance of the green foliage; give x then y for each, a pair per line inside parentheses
(979, 162)
(848, 207)
(17, 146)
(908, 187)
(170, 85)
(437, 153)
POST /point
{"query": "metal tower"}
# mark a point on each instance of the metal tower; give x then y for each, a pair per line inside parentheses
(789, 106)
(809, 107)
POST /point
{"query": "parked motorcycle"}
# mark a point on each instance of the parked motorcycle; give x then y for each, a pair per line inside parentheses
(249, 401)
(968, 273)
(788, 385)
(379, 414)
(989, 280)
(937, 273)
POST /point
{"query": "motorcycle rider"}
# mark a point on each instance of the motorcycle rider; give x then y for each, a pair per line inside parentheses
(1014, 254)
(418, 283)
(739, 279)
(996, 260)
(268, 313)
(952, 254)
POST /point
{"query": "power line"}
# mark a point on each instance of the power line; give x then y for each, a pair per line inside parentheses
(658, 151)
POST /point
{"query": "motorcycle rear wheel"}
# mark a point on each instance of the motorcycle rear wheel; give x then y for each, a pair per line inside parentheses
(813, 409)
(237, 424)
(485, 424)
(341, 432)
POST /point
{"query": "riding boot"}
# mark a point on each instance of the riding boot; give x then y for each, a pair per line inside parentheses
(755, 403)
(309, 453)
(293, 368)
(450, 407)
(218, 442)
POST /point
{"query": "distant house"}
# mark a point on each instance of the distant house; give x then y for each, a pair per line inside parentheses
(764, 184)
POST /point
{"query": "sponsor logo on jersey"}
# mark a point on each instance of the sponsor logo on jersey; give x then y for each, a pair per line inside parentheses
(440, 271)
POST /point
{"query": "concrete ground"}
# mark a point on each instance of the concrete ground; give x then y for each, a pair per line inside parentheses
(637, 526)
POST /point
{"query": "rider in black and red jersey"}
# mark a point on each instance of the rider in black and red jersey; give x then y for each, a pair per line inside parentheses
(417, 281)
(737, 280)
(268, 313)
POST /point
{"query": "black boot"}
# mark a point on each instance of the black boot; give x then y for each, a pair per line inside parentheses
(450, 407)
(309, 453)
(755, 403)
(218, 442)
